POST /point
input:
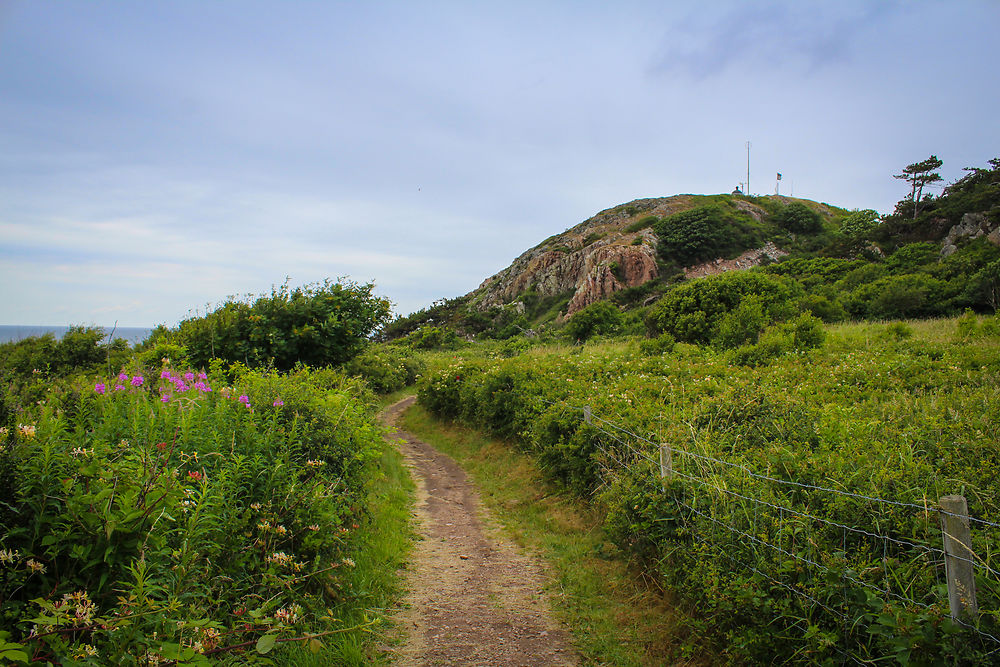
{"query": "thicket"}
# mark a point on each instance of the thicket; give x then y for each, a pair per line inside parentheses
(600, 318)
(80, 349)
(706, 232)
(976, 192)
(729, 308)
(165, 519)
(323, 324)
(770, 528)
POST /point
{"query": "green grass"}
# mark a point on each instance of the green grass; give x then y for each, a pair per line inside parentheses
(616, 619)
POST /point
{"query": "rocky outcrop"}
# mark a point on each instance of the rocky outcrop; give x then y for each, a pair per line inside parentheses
(747, 260)
(591, 260)
(612, 268)
(972, 226)
(611, 251)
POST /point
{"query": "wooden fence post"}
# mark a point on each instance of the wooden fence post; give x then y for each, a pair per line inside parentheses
(958, 561)
(586, 414)
(666, 463)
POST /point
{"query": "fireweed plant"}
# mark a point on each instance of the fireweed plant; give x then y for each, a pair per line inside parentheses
(184, 518)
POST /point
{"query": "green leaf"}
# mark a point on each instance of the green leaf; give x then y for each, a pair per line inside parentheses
(266, 643)
(13, 653)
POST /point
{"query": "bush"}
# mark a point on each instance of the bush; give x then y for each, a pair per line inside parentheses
(773, 343)
(322, 324)
(385, 368)
(692, 236)
(742, 324)
(692, 312)
(859, 225)
(807, 332)
(655, 347)
(599, 318)
(798, 218)
(905, 296)
(151, 518)
(432, 338)
(823, 307)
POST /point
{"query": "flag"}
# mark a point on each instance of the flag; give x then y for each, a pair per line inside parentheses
(779, 175)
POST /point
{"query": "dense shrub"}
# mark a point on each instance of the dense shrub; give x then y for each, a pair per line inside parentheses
(692, 311)
(748, 532)
(157, 519)
(432, 338)
(386, 368)
(798, 218)
(662, 344)
(858, 225)
(695, 235)
(599, 318)
(910, 295)
(318, 325)
(80, 349)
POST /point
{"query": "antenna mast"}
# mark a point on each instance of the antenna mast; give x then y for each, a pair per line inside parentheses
(748, 167)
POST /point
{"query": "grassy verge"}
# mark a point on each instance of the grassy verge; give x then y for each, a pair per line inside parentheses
(375, 578)
(615, 618)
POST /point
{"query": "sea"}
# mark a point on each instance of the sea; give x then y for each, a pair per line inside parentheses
(15, 332)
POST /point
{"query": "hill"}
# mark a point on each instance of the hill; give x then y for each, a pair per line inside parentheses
(935, 259)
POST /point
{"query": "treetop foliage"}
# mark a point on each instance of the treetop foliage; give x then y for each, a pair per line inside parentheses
(321, 324)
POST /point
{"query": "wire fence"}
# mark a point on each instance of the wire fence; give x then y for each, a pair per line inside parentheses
(764, 529)
(934, 557)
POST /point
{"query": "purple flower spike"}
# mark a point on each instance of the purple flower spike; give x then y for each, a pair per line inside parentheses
(123, 377)
(119, 387)
(99, 388)
(189, 377)
(244, 399)
(137, 381)
(165, 375)
(165, 398)
(202, 376)
(278, 402)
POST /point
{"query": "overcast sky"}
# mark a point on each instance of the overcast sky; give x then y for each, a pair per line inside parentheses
(156, 157)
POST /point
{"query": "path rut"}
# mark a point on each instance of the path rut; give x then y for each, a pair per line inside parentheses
(474, 598)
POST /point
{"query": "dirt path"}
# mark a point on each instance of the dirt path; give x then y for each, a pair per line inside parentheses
(474, 598)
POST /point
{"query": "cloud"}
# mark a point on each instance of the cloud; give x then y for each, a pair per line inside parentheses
(800, 37)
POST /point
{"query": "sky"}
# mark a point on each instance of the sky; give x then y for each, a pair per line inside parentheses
(158, 157)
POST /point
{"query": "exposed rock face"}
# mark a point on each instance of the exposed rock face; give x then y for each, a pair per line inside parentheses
(592, 260)
(972, 225)
(747, 260)
(607, 253)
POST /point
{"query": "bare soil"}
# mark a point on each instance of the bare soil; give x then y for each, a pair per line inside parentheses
(474, 598)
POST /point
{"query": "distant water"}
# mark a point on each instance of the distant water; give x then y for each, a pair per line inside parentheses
(10, 333)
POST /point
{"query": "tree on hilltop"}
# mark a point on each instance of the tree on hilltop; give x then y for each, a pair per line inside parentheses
(918, 175)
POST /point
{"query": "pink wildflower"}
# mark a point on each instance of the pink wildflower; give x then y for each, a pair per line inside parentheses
(278, 402)
(165, 398)
(99, 388)
(202, 376)
(137, 381)
(189, 376)
(244, 399)
(119, 387)
(165, 375)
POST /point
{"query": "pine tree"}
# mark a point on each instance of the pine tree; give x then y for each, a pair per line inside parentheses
(918, 175)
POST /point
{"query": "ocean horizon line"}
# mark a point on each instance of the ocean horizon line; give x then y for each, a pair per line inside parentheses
(12, 333)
